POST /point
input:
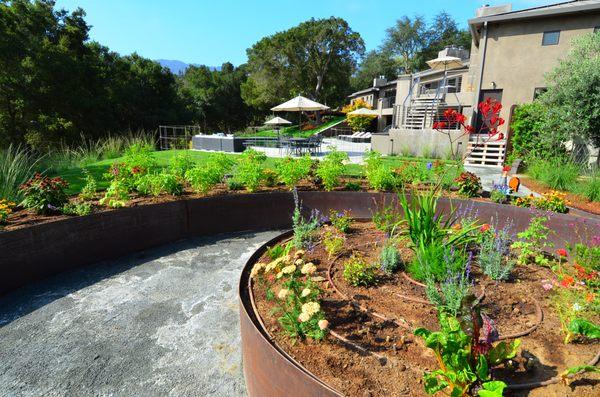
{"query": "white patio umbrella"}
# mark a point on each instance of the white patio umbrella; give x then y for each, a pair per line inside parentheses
(299, 104)
(363, 112)
(445, 63)
(278, 121)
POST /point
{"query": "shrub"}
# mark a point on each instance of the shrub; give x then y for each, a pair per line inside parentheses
(291, 171)
(204, 177)
(533, 241)
(116, 195)
(468, 184)
(561, 175)
(528, 130)
(358, 272)
(389, 259)
(180, 164)
(6, 208)
(340, 220)
(139, 159)
(43, 194)
(333, 242)
(360, 122)
(331, 168)
(77, 208)
(250, 169)
(88, 192)
(494, 253)
(270, 177)
(158, 183)
(382, 178)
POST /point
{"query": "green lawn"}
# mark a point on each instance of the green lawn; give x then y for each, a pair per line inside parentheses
(76, 177)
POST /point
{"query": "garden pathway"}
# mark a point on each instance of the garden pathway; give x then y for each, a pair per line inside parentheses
(163, 322)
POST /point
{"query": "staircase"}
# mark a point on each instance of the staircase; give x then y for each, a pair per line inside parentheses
(415, 114)
(486, 154)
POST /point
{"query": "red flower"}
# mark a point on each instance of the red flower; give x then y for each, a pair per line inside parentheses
(567, 281)
(440, 125)
(500, 136)
(506, 168)
(469, 129)
(562, 252)
(484, 228)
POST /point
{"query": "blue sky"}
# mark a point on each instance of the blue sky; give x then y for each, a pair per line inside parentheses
(215, 31)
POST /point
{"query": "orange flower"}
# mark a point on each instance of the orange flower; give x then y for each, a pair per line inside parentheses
(562, 252)
(589, 297)
(484, 228)
(567, 281)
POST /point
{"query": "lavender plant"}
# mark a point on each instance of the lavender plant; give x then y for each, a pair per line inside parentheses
(449, 295)
(304, 230)
(494, 252)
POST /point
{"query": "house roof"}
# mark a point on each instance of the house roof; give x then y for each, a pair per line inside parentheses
(374, 89)
(563, 8)
(567, 7)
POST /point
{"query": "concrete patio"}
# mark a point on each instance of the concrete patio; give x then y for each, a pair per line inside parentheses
(158, 323)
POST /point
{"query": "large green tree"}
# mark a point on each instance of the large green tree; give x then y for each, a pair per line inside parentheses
(376, 63)
(56, 85)
(315, 59)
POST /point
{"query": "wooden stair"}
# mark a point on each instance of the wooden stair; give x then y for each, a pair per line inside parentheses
(486, 154)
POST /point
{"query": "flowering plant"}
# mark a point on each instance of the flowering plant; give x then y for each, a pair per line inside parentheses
(468, 183)
(6, 208)
(297, 297)
(44, 194)
(552, 201)
(340, 220)
(491, 121)
(533, 241)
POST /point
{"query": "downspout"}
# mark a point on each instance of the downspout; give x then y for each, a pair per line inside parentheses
(480, 79)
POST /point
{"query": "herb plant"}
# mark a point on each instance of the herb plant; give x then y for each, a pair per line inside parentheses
(304, 230)
(117, 194)
(358, 272)
(333, 242)
(449, 295)
(43, 194)
(88, 192)
(331, 168)
(340, 220)
(291, 171)
(468, 184)
(533, 241)
(80, 208)
(203, 178)
(389, 259)
(494, 253)
(250, 171)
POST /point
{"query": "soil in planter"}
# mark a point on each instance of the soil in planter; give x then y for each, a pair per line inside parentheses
(381, 321)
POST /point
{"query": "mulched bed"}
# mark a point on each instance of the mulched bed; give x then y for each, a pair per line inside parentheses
(378, 320)
(577, 201)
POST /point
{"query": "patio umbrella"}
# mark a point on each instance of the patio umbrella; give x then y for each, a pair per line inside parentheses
(299, 104)
(445, 63)
(278, 121)
(363, 112)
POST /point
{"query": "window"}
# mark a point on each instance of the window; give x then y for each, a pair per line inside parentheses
(538, 91)
(551, 38)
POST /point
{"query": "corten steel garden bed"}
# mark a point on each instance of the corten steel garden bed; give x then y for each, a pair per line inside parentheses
(39, 251)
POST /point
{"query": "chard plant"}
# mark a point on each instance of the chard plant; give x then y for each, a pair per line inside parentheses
(465, 360)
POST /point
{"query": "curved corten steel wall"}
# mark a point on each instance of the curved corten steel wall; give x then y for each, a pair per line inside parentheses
(42, 250)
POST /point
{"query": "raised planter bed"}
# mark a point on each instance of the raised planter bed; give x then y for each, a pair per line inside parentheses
(348, 362)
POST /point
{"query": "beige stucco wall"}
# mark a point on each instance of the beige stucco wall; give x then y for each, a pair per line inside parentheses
(398, 142)
(517, 62)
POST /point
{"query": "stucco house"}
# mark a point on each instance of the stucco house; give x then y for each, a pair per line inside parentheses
(511, 52)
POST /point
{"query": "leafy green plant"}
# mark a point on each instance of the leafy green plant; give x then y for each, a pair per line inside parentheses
(586, 256)
(250, 171)
(580, 326)
(498, 196)
(291, 171)
(89, 190)
(436, 260)
(379, 176)
(559, 174)
(234, 185)
(340, 220)
(157, 183)
(279, 251)
(387, 219)
(43, 194)
(180, 164)
(117, 194)
(533, 241)
(352, 186)
(358, 272)
(331, 168)
(389, 259)
(465, 360)
(571, 307)
(79, 208)
(591, 188)
(202, 178)
(270, 177)
(468, 184)
(333, 242)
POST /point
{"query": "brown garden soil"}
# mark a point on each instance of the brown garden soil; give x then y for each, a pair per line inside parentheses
(576, 200)
(381, 320)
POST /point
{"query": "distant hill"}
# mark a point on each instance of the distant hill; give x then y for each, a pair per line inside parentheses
(179, 67)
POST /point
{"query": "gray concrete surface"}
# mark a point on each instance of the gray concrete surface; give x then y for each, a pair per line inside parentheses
(163, 322)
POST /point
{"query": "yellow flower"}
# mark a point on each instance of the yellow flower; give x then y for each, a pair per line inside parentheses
(311, 308)
(299, 254)
(303, 317)
(283, 293)
(308, 268)
(256, 269)
(305, 292)
(299, 262)
(279, 275)
(289, 269)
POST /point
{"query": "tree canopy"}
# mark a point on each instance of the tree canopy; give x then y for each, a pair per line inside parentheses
(315, 59)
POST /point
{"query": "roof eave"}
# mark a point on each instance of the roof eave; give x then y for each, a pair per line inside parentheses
(540, 13)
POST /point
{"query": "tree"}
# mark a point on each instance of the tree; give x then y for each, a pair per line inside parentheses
(573, 97)
(376, 63)
(405, 40)
(442, 32)
(315, 58)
